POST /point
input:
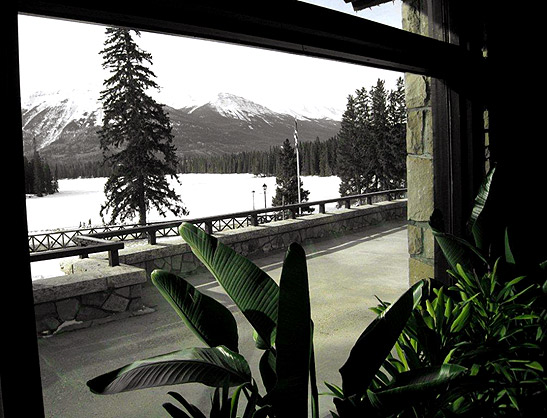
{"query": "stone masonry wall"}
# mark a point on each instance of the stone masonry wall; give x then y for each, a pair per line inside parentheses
(419, 141)
(255, 242)
(94, 293)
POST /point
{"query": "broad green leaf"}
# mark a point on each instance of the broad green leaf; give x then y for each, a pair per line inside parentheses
(458, 251)
(314, 395)
(193, 411)
(176, 412)
(413, 387)
(217, 366)
(266, 366)
(253, 291)
(335, 391)
(461, 320)
(376, 342)
(478, 219)
(211, 321)
(294, 336)
(535, 365)
(509, 257)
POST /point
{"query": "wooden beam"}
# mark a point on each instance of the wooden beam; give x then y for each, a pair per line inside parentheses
(289, 26)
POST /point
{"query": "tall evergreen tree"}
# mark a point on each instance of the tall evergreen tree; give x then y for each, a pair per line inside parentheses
(379, 152)
(136, 137)
(351, 161)
(397, 133)
(286, 179)
(371, 147)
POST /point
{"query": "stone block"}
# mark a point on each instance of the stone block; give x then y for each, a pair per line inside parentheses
(136, 291)
(124, 292)
(414, 17)
(45, 309)
(419, 269)
(67, 309)
(414, 132)
(47, 325)
(115, 303)
(429, 244)
(420, 188)
(415, 240)
(42, 292)
(417, 91)
(88, 313)
(135, 305)
(94, 299)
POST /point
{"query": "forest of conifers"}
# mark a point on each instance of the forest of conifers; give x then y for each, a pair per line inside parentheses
(318, 158)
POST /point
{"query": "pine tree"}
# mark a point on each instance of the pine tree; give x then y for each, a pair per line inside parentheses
(38, 185)
(371, 141)
(379, 150)
(351, 157)
(136, 137)
(397, 134)
(286, 179)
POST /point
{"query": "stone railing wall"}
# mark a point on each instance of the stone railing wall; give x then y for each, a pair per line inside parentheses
(257, 241)
(92, 292)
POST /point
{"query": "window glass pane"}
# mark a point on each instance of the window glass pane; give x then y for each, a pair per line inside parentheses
(207, 87)
(387, 13)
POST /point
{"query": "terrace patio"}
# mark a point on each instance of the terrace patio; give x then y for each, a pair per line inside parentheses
(345, 275)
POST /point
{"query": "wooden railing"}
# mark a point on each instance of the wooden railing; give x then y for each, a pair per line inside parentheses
(87, 245)
(66, 243)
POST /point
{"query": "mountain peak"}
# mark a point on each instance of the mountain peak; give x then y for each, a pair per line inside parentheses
(237, 107)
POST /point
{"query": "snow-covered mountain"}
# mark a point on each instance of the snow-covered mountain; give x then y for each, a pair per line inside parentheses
(47, 116)
(64, 124)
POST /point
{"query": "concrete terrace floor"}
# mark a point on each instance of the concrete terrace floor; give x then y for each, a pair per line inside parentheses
(345, 275)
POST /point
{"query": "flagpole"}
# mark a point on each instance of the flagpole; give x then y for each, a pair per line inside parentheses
(297, 161)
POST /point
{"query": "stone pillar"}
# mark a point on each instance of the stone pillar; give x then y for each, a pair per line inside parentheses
(419, 139)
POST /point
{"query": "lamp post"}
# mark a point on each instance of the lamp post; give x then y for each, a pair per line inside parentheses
(264, 186)
(253, 200)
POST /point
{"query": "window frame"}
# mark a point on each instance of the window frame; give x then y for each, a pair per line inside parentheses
(287, 26)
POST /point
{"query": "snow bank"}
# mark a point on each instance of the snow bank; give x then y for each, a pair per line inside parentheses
(79, 201)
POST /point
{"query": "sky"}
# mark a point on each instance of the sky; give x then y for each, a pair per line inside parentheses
(64, 55)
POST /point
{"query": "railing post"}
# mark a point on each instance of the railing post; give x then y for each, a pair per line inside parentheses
(113, 258)
(152, 237)
(347, 203)
(292, 214)
(209, 227)
(321, 208)
(83, 255)
(254, 219)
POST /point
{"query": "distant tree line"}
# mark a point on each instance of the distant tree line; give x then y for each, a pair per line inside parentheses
(83, 169)
(318, 158)
(39, 179)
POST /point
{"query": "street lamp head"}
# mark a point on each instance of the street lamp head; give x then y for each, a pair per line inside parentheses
(264, 186)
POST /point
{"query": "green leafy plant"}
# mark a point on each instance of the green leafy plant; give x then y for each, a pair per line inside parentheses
(476, 348)
(377, 383)
(279, 314)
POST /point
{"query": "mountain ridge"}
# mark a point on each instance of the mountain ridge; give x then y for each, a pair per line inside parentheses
(65, 124)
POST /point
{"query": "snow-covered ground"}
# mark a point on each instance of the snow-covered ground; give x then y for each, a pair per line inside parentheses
(79, 201)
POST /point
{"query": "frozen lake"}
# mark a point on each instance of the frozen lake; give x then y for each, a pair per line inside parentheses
(79, 201)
